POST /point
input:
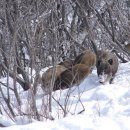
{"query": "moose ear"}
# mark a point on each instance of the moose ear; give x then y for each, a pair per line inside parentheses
(110, 61)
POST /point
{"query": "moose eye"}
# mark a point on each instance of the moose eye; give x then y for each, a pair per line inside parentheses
(110, 61)
(99, 62)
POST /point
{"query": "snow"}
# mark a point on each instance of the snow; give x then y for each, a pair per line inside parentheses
(104, 107)
(6, 121)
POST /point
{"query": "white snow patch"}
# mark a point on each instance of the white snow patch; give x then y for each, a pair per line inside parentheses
(104, 107)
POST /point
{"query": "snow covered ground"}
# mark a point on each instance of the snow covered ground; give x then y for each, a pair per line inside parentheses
(105, 106)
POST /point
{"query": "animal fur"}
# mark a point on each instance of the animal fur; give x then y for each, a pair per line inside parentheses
(88, 58)
(72, 76)
(127, 47)
(68, 63)
(49, 77)
(107, 66)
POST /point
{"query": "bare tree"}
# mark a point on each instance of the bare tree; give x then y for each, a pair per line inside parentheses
(38, 33)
